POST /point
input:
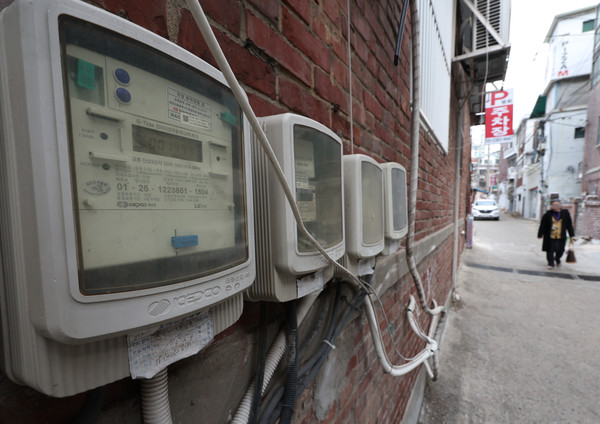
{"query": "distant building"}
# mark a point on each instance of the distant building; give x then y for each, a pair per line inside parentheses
(589, 172)
(550, 144)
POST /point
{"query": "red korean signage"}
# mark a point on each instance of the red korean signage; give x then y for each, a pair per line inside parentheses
(499, 117)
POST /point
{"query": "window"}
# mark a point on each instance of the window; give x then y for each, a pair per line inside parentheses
(579, 132)
(435, 19)
(588, 25)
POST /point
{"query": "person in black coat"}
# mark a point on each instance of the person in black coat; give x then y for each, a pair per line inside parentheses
(554, 227)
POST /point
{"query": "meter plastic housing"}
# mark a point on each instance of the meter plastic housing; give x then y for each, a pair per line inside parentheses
(395, 202)
(125, 192)
(363, 194)
(310, 154)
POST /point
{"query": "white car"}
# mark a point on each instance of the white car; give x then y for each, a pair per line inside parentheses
(486, 209)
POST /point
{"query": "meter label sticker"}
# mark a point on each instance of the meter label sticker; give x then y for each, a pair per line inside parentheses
(309, 284)
(188, 109)
(153, 350)
(304, 158)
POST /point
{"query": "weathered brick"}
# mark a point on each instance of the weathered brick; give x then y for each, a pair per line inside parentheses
(300, 100)
(269, 8)
(151, 15)
(329, 91)
(302, 8)
(247, 68)
(275, 46)
(300, 36)
(226, 12)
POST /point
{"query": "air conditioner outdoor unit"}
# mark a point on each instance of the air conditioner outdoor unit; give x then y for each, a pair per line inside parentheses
(497, 13)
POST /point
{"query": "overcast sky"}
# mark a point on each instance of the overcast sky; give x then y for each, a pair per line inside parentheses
(530, 22)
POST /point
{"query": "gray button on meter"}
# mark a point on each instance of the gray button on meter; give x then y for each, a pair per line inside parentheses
(123, 95)
(122, 76)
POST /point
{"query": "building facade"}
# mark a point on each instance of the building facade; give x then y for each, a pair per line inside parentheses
(589, 223)
(551, 143)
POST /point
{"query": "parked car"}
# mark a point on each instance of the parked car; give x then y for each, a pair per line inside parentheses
(486, 209)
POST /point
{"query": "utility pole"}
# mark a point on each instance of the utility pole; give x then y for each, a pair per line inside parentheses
(541, 148)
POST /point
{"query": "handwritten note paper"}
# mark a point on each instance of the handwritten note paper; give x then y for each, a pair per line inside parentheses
(155, 349)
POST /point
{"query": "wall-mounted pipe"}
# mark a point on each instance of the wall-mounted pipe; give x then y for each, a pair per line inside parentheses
(415, 129)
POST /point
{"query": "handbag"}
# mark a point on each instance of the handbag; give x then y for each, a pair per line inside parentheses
(571, 254)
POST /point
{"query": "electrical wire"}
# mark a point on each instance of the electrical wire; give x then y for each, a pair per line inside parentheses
(312, 366)
(289, 395)
(262, 357)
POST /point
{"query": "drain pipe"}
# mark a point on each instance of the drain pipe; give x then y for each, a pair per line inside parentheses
(414, 160)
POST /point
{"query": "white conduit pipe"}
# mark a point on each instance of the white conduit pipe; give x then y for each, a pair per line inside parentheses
(429, 338)
(238, 92)
(273, 358)
(414, 160)
(394, 370)
(155, 399)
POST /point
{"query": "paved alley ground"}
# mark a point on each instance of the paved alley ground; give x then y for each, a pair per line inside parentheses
(522, 344)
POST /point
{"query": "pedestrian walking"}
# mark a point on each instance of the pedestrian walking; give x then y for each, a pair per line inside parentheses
(553, 228)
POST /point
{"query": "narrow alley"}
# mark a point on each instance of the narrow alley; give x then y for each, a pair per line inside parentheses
(519, 347)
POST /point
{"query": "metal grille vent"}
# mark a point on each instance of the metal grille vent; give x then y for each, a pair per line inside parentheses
(491, 10)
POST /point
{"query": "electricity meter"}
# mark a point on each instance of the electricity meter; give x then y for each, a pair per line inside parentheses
(310, 154)
(125, 192)
(363, 191)
(396, 215)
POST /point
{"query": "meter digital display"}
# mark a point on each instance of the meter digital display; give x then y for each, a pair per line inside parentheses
(159, 143)
(156, 164)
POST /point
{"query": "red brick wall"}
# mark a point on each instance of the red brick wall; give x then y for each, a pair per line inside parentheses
(292, 56)
(589, 223)
(591, 154)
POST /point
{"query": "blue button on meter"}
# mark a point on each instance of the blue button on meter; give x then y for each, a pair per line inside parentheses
(122, 76)
(184, 241)
(123, 95)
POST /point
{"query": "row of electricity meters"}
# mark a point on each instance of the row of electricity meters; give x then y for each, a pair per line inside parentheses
(131, 195)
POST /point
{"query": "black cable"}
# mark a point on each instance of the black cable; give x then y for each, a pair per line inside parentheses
(289, 396)
(324, 312)
(400, 33)
(310, 369)
(272, 408)
(262, 357)
(311, 372)
(92, 406)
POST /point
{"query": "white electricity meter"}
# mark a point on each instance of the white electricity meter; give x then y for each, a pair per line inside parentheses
(395, 200)
(310, 154)
(125, 192)
(363, 193)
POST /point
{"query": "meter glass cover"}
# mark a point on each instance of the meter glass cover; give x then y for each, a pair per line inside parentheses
(318, 180)
(156, 162)
(372, 203)
(399, 199)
